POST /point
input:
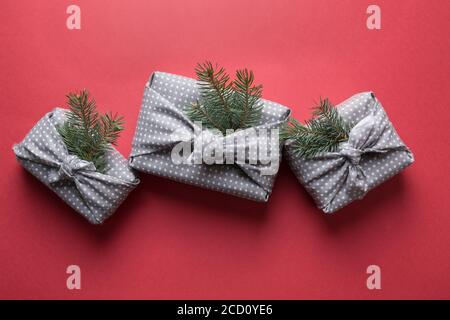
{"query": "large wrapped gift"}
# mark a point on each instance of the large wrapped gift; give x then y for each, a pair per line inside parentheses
(93, 194)
(373, 153)
(162, 122)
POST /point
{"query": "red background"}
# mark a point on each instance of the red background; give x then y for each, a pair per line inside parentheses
(170, 240)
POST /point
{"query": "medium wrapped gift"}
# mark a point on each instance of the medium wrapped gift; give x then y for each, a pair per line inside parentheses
(93, 194)
(372, 153)
(163, 115)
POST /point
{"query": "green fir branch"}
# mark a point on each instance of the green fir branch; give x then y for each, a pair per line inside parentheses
(323, 133)
(247, 99)
(86, 133)
(226, 104)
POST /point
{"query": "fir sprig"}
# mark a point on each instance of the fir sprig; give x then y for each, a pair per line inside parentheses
(88, 134)
(224, 103)
(323, 133)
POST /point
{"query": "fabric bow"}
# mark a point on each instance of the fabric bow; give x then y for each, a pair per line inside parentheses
(345, 166)
(177, 132)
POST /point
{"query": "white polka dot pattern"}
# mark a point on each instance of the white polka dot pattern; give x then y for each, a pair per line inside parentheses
(94, 195)
(373, 153)
(165, 97)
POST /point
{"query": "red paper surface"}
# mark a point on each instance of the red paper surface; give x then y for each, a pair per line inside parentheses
(170, 240)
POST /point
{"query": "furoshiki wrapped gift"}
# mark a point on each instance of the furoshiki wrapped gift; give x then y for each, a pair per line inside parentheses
(163, 128)
(372, 154)
(93, 194)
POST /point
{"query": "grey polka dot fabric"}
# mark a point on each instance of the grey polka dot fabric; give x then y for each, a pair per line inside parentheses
(373, 153)
(165, 98)
(94, 195)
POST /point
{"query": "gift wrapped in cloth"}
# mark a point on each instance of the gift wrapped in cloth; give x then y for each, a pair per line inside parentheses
(163, 127)
(93, 194)
(373, 153)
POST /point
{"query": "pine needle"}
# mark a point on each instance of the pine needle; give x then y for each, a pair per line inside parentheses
(226, 104)
(86, 133)
(323, 133)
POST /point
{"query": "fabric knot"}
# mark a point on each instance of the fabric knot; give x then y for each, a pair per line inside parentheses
(69, 167)
(350, 153)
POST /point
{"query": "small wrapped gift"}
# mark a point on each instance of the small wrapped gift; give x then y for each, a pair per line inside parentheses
(93, 194)
(372, 154)
(162, 118)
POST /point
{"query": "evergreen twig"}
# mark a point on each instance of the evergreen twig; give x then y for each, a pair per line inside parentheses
(323, 133)
(225, 104)
(86, 133)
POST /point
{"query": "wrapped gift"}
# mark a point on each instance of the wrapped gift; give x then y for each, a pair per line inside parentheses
(162, 118)
(93, 194)
(372, 154)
